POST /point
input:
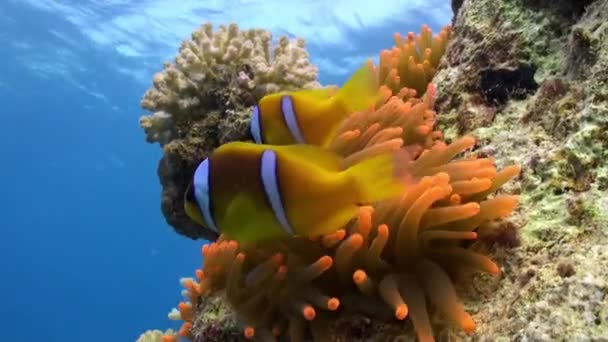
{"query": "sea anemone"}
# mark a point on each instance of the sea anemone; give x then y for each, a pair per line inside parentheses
(407, 68)
(385, 264)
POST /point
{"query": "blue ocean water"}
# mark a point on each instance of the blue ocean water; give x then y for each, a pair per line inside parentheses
(86, 254)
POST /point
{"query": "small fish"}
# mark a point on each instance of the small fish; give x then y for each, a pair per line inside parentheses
(312, 116)
(251, 192)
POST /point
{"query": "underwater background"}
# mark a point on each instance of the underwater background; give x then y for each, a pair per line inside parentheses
(86, 253)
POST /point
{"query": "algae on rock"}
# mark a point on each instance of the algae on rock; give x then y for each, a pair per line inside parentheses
(555, 284)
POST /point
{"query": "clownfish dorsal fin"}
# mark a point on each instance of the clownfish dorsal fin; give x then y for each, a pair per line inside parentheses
(361, 91)
(315, 155)
(323, 93)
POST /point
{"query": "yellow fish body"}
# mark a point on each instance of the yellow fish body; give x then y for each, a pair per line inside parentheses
(312, 116)
(252, 192)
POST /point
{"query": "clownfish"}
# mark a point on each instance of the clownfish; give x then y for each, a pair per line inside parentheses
(312, 116)
(252, 192)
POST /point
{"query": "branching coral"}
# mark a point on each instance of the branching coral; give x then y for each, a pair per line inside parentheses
(407, 69)
(228, 58)
(390, 260)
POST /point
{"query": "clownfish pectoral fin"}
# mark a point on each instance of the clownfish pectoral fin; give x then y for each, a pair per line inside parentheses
(248, 221)
(315, 155)
(361, 91)
(239, 229)
(239, 205)
(382, 177)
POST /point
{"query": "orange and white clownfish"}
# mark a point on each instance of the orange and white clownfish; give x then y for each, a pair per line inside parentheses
(312, 116)
(251, 192)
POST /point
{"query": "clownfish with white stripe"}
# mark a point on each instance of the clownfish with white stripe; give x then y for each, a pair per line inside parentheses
(253, 192)
(312, 116)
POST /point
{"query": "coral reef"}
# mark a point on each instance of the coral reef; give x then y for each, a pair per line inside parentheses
(528, 79)
(203, 100)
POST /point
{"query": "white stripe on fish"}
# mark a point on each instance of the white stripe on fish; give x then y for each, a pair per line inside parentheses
(256, 125)
(270, 179)
(289, 115)
(202, 193)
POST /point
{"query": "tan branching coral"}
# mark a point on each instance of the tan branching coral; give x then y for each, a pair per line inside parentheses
(407, 68)
(390, 260)
(210, 61)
